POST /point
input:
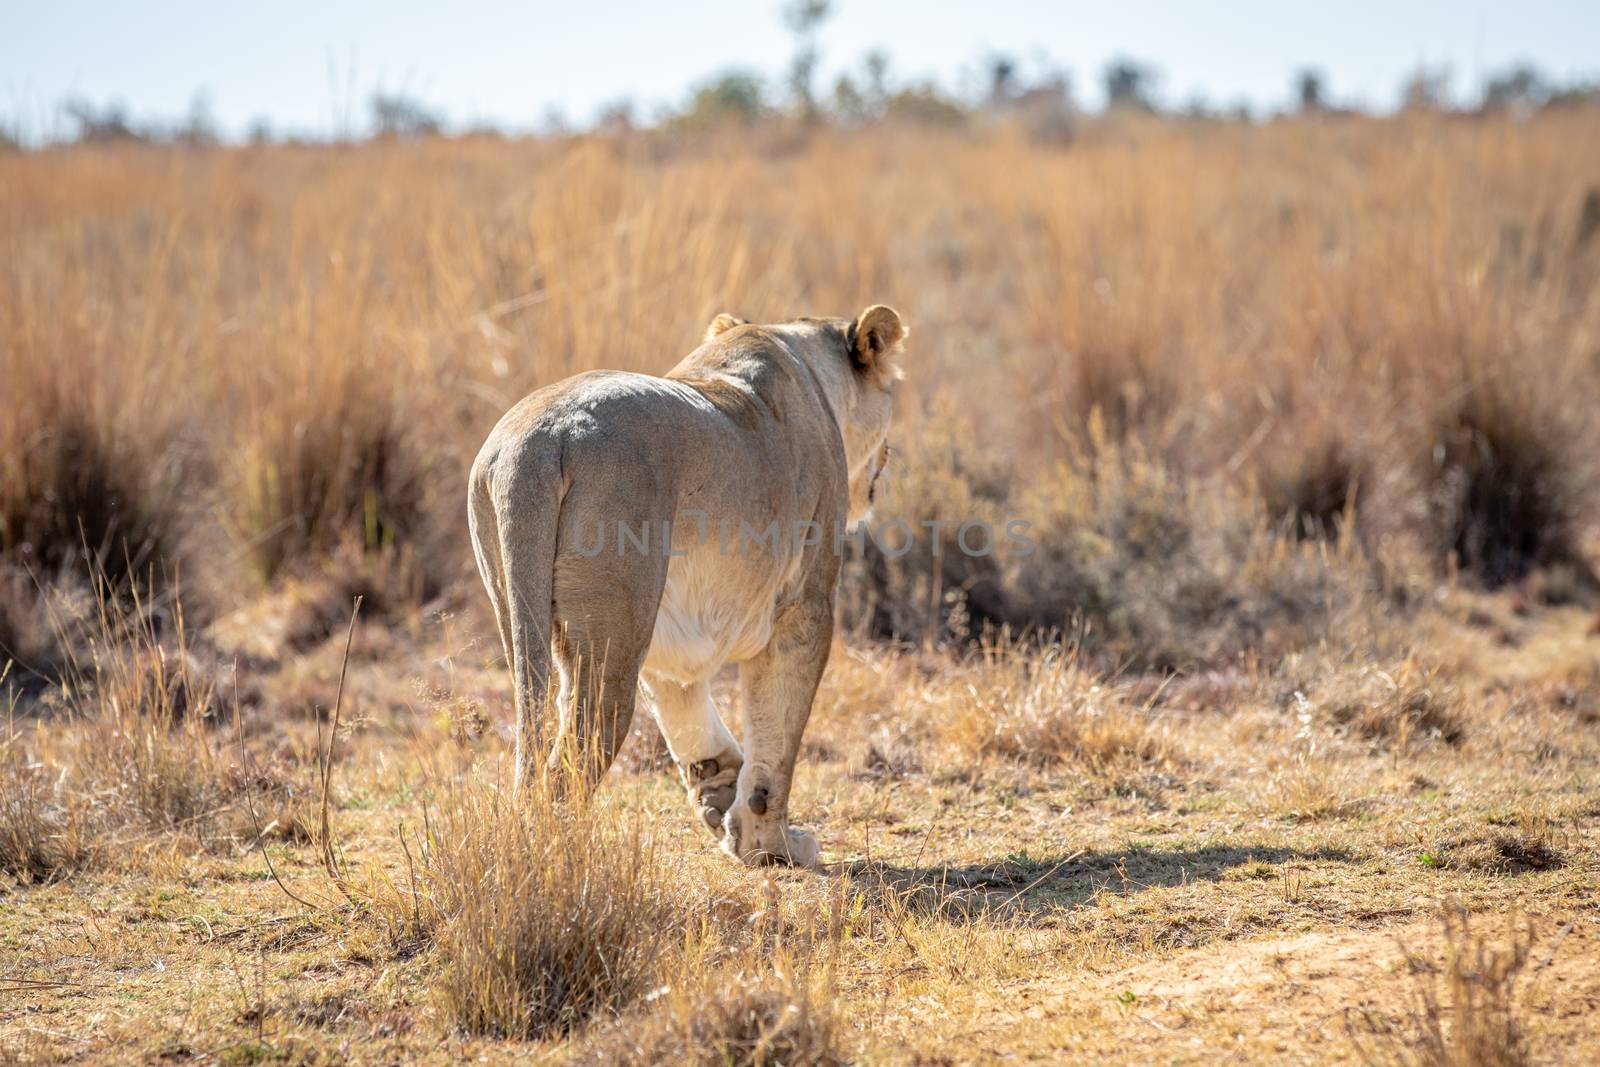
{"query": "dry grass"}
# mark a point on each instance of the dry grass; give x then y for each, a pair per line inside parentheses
(1298, 415)
(745, 1020)
(135, 746)
(1306, 788)
(40, 837)
(1501, 853)
(545, 916)
(1414, 356)
(1040, 708)
(331, 467)
(1394, 706)
(1467, 1012)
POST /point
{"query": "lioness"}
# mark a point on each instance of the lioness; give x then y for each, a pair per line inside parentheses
(667, 526)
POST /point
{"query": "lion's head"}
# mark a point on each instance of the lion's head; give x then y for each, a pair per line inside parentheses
(856, 363)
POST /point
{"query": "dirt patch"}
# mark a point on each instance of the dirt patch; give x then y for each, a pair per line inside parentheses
(1291, 1000)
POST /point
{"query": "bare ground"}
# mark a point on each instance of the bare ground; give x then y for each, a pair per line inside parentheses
(1266, 887)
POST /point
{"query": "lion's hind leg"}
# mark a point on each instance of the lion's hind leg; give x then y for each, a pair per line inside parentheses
(604, 611)
(705, 751)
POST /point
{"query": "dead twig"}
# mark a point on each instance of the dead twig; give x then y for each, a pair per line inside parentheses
(250, 803)
(329, 860)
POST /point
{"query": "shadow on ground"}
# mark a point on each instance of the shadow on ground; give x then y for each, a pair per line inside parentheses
(1029, 887)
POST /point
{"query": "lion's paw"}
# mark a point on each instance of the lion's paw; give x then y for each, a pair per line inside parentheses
(713, 784)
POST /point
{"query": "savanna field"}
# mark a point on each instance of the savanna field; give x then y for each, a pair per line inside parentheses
(1280, 747)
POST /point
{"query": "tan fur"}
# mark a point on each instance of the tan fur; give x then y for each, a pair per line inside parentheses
(781, 423)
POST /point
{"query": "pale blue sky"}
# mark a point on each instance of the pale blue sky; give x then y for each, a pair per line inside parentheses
(301, 63)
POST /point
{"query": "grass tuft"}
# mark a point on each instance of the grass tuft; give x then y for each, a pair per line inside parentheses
(132, 746)
(1502, 853)
(1043, 708)
(1394, 708)
(545, 915)
(75, 497)
(744, 1021)
(328, 470)
(1510, 489)
(1463, 1014)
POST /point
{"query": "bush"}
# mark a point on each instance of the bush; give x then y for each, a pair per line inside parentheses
(1393, 708)
(26, 646)
(1510, 484)
(545, 915)
(327, 469)
(84, 490)
(940, 474)
(1165, 571)
(771, 1021)
(77, 496)
(133, 746)
(1042, 708)
(1139, 562)
(1313, 489)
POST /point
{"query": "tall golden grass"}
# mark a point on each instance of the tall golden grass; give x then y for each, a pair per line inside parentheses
(236, 361)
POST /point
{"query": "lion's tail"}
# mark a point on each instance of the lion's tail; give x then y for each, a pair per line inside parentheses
(512, 514)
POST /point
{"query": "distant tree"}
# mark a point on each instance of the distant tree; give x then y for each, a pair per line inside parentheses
(1129, 84)
(402, 116)
(1002, 78)
(862, 96)
(97, 125)
(1310, 90)
(1575, 94)
(260, 131)
(1520, 86)
(733, 96)
(876, 68)
(1426, 89)
(615, 117)
(1046, 110)
(849, 104)
(805, 18)
(925, 103)
(554, 122)
(199, 127)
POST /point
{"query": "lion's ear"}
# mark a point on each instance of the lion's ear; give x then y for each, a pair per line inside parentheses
(876, 334)
(722, 324)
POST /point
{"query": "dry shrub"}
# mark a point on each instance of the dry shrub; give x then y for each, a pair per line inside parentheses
(77, 495)
(1040, 708)
(1165, 572)
(390, 585)
(735, 1020)
(1511, 481)
(130, 745)
(1305, 788)
(1463, 1015)
(1501, 853)
(1394, 707)
(329, 466)
(927, 585)
(1145, 564)
(26, 644)
(1314, 488)
(545, 915)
